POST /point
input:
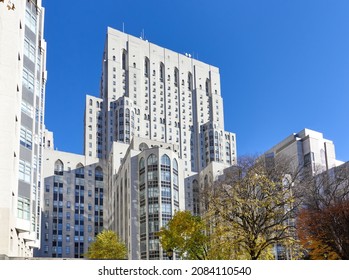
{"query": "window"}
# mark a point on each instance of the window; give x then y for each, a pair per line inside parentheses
(29, 49)
(146, 67)
(98, 174)
(26, 138)
(24, 171)
(30, 20)
(80, 171)
(23, 208)
(162, 71)
(152, 160)
(27, 109)
(28, 80)
(124, 60)
(190, 81)
(58, 168)
(176, 77)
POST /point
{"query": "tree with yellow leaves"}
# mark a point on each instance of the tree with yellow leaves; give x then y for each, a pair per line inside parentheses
(107, 246)
(254, 207)
(185, 235)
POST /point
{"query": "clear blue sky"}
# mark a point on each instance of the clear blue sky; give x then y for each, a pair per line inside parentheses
(284, 64)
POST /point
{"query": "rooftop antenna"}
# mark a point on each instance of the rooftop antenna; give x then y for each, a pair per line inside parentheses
(123, 27)
(142, 34)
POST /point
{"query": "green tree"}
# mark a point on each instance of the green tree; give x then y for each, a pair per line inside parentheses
(107, 246)
(185, 235)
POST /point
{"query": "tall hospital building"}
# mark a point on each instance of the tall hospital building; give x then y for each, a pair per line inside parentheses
(22, 95)
(159, 126)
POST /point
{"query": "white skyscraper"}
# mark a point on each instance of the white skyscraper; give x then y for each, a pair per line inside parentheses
(162, 132)
(22, 97)
(158, 94)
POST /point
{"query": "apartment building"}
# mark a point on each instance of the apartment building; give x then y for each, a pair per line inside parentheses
(22, 95)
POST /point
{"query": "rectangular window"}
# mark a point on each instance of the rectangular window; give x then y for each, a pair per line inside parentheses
(26, 138)
(27, 109)
(29, 49)
(24, 171)
(30, 20)
(28, 80)
(23, 208)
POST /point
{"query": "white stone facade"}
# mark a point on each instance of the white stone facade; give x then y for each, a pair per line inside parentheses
(158, 94)
(22, 95)
(307, 148)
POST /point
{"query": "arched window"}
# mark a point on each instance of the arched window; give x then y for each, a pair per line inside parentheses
(90, 102)
(127, 113)
(98, 174)
(165, 169)
(59, 167)
(80, 171)
(152, 170)
(152, 160)
(165, 160)
(97, 104)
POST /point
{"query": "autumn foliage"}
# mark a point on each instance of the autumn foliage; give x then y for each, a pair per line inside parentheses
(107, 246)
(325, 232)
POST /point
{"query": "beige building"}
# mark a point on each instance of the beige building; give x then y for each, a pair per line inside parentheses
(22, 95)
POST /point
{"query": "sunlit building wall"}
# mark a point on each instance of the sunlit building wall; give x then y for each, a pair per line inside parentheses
(22, 95)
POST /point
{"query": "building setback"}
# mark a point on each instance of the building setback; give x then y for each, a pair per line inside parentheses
(307, 148)
(22, 95)
(160, 130)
